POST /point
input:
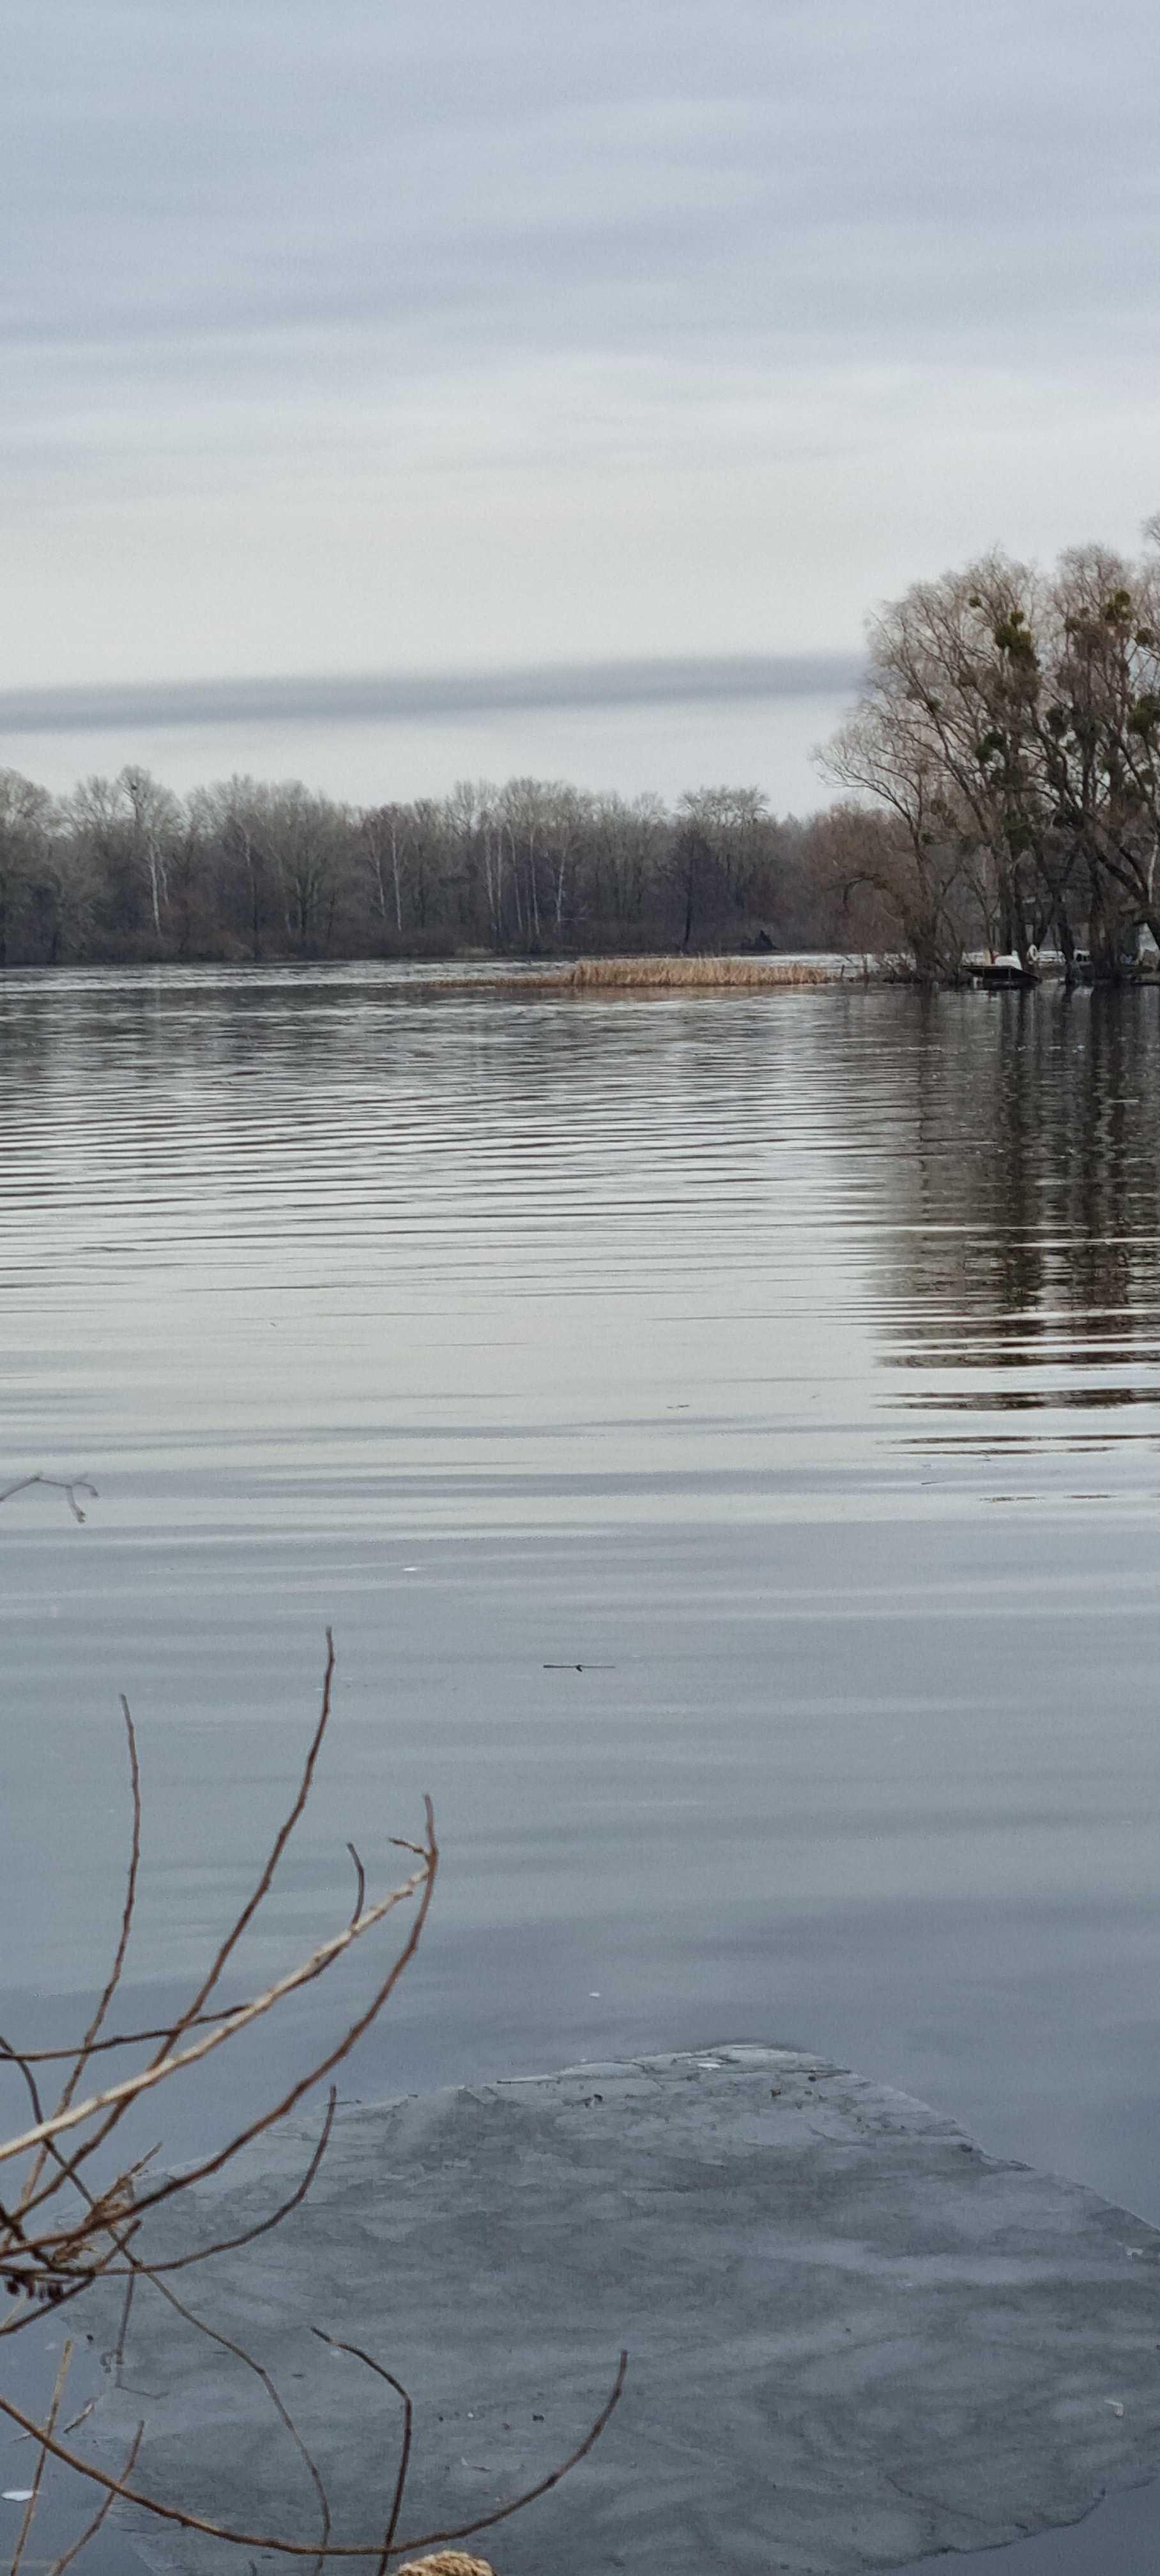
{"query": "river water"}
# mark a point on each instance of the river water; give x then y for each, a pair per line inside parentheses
(789, 1363)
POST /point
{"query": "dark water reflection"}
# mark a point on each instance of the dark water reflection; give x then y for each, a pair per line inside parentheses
(791, 1363)
(1040, 1228)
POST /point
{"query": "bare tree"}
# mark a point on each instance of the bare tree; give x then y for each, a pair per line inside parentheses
(27, 821)
(231, 819)
(1100, 738)
(154, 826)
(383, 831)
(127, 827)
(1011, 725)
(947, 739)
(917, 866)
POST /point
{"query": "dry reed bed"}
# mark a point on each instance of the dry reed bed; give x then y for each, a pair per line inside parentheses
(670, 974)
(646, 972)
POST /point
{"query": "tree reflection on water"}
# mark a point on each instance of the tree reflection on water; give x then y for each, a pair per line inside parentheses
(1029, 1251)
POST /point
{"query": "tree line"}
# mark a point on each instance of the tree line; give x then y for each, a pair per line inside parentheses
(998, 785)
(124, 870)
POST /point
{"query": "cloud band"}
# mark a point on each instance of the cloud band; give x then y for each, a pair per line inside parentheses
(426, 698)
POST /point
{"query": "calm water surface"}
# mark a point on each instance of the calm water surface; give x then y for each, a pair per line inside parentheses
(790, 1363)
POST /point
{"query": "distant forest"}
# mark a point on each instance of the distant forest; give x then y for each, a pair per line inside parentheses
(998, 786)
(123, 870)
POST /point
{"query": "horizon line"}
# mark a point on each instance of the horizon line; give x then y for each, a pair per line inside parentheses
(432, 697)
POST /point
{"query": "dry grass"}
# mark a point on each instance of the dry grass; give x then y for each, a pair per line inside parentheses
(649, 974)
(450, 2562)
(663, 975)
(641, 975)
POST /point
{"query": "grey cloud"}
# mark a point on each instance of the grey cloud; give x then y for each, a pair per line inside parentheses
(480, 331)
(449, 697)
(653, 173)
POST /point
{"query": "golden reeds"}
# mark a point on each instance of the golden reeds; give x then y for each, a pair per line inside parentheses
(657, 975)
(648, 974)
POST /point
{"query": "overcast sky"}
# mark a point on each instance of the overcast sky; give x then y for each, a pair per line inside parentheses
(413, 337)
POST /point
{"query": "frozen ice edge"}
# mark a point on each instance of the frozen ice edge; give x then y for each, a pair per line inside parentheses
(855, 2339)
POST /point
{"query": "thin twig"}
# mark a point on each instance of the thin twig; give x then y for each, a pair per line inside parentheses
(282, 1837)
(98, 2213)
(302, 2548)
(111, 2270)
(140, 2038)
(56, 2265)
(123, 2328)
(161, 2068)
(261, 2226)
(424, 1881)
(34, 2499)
(78, 1485)
(69, 2256)
(75, 2421)
(91, 2528)
(503, 2512)
(357, 2354)
(241, 1922)
(280, 2408)
(115, 2039)
(15, 2057)
(114, 1977)
(360, 1883)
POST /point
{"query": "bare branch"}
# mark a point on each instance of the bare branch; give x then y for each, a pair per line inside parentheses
(357, 2354)
(55, 2264)
(114, 1977)
(280, 2408)
(120, 2103)
(301, 2548)
(105, 2507)
(281, 1839)
(61, 1485)
(261, 2226)
(504, 2512)
(360, 1875)
(161, 2068)
(34, 2499)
